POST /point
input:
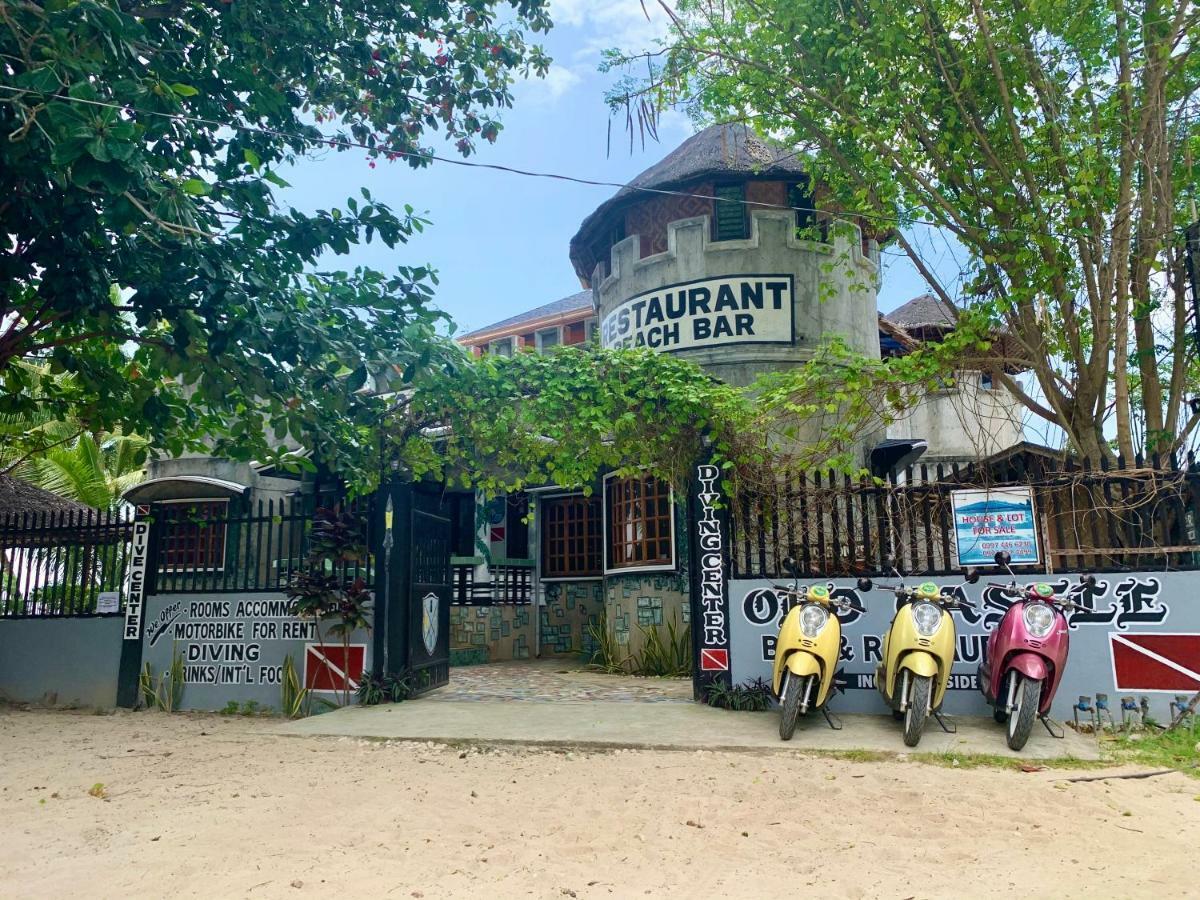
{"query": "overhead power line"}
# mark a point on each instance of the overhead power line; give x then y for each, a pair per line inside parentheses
(891, 221)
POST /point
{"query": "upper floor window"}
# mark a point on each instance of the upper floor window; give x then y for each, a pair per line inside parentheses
(639, 523)
(572, 532)
(592, 327)
(501, 347)
(193, 534)
(730, 219)
(547, 338)
(801, 200)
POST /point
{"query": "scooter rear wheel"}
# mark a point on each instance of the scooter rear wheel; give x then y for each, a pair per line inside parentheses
(918, 709)
(795, 691)
(1000, 714)
(1020, 723)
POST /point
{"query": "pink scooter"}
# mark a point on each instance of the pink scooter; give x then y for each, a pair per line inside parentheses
(1026, 655)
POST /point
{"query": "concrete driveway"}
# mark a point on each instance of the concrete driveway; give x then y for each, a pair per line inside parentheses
(540, 704)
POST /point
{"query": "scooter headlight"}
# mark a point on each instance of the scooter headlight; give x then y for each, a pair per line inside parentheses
(813, 619)
(1039, 619)
(927, 618)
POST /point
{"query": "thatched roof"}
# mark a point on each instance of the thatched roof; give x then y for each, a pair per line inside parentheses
(718, 152)
(924, 312)
(17, 497)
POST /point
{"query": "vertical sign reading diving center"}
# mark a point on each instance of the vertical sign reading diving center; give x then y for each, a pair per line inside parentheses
(709, 594)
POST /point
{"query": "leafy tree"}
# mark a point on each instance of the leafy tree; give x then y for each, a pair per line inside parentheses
(146, 253)
(62, 456)
(1053, 140)
(504, 423)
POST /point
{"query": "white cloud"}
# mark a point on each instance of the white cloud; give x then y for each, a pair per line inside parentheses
(559, 80)
(624, 24)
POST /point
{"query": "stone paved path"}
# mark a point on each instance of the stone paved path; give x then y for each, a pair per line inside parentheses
(555, 681)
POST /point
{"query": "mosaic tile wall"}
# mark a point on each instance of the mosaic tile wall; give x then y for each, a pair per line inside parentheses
(481, 634)
(571, 606)
(641, 601)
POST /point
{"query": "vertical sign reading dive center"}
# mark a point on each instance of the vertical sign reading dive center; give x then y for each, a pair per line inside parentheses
(710, 602)
(138, 552)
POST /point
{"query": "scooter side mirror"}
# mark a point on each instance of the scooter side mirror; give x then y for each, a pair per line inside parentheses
(972, 576)
(865, 584)
(1002, 557)
(1089, 580)
(789, 566)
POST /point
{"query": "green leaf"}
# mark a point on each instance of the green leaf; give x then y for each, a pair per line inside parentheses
(184, 90)
(196, 187)
(251, 157)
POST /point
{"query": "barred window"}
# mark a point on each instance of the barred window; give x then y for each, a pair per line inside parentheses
(192, 535)
(571, 535)
(639, 522)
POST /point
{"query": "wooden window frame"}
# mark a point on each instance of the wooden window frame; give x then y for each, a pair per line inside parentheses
(165, 550)
(544, 537)
(614, 565)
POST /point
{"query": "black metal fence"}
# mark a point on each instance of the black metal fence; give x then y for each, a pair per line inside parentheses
(1106, 517)
(71, 564)
(63, 563)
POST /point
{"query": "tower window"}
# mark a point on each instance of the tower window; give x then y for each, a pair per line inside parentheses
(800, 198)
(730, 219)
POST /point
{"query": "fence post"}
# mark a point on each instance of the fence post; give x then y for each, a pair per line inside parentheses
(141, 573)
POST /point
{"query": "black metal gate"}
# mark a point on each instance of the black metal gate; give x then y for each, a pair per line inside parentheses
(412, 627)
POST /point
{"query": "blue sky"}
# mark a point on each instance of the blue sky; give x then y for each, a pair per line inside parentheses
(499, 241)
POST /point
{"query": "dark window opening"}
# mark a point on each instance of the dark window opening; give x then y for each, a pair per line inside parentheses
(800, 198)
(516, 544)
(731, 221)
(571, 534)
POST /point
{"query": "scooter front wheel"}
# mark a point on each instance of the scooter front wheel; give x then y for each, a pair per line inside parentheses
(918, 709)
(1020, 723)
(795, 691)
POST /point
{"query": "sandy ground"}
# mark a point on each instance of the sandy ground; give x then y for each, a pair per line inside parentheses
(205, 806)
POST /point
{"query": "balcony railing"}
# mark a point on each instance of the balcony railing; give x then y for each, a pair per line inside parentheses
(510, 584)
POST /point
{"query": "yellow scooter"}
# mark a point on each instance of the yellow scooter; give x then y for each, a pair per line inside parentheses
(806, 651)
(918, 653)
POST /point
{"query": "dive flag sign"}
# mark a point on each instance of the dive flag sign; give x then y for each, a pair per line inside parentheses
(714, 660)
(328, 667)
(1156, 662)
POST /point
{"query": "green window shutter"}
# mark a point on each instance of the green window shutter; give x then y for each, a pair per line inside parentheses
(729, 213)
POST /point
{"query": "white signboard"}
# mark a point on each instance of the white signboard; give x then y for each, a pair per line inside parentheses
(993, 520)
(713, 312)
(108, 602)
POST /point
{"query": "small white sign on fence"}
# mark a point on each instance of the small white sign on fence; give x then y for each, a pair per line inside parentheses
(987, 521)
(108, 602)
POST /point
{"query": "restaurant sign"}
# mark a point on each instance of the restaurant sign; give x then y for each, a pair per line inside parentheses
(711, 312)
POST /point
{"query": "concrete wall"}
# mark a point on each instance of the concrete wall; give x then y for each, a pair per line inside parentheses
(835, 286)
(570, 611)
(60, 662)
(233, 646)
(480, 634)
(964, 422)
(1132, 618)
